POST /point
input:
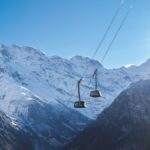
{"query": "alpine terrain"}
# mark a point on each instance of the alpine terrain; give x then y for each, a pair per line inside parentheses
(125, 125)
(38, 92)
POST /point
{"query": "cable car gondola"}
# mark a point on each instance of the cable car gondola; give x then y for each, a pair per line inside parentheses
(95, 93)
(79, 103)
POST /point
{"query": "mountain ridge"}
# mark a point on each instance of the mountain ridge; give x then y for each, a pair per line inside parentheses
(31, 80)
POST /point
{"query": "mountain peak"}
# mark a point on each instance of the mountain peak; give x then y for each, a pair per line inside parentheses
(2, 46)
(15, 46)
(87, 60)
(147, 62)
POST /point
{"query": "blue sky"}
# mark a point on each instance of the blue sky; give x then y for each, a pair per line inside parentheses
(74, 27)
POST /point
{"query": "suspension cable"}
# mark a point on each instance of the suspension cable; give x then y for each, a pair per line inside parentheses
(116, 34)
(107, 30)
(102, 40)
(105, 34)
(114, 37)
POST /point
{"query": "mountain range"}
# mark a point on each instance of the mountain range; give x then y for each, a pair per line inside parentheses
(38, 92)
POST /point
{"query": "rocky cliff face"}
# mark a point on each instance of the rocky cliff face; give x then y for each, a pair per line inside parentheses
(125, 125)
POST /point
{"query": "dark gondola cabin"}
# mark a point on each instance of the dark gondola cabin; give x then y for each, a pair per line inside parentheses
(95, 93)
(79, 103)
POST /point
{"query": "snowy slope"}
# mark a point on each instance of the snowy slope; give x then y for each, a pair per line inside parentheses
(28, 97)
(12, 137)
(53, 79)
(39, 91)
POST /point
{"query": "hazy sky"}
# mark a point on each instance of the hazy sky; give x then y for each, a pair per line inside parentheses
(74, 27)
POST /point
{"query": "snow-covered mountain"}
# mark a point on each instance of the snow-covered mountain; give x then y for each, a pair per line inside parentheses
(39, 91)
(11, 136)
(125, 125)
